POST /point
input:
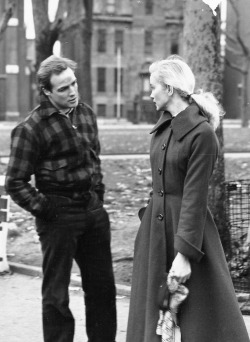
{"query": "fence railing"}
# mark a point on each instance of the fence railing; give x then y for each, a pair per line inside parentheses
(238, 211)
(4, 217)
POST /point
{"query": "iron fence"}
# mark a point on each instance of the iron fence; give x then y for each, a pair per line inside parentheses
(238, 214)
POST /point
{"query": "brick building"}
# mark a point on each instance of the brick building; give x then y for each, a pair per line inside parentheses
(233, 79)
(14, 75)
(127, 37)
(142, 31)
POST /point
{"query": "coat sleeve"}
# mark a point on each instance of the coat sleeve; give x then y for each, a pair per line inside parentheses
(97, 177)
(23, 157)
(201, 160)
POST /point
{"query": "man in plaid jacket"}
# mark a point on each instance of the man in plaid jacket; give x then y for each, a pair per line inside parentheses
(58, 144)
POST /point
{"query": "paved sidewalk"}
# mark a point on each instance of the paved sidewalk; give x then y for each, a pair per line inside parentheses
(20, 303)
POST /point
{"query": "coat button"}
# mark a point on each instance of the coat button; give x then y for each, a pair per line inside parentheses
(159, 171)
(160, 217)
(163, 146)
(161, 193)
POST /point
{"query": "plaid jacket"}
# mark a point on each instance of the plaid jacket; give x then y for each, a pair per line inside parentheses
(62, 153)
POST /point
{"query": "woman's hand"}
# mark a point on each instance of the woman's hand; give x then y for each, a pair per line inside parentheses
(181, 268)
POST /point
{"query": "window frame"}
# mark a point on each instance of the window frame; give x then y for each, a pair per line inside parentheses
(148, 42)
(101, 80)
(119, 41)
(101, 40)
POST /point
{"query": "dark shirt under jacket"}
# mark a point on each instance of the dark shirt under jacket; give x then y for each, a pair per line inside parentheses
(62, 152)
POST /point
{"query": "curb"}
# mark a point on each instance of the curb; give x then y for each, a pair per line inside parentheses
(35, 271)
(121, 290)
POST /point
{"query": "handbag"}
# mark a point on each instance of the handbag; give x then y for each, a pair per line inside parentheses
(171, 294)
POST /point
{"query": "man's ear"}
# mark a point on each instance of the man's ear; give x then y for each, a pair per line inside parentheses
(46, 91)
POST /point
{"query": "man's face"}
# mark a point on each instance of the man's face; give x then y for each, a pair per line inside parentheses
(64, 90)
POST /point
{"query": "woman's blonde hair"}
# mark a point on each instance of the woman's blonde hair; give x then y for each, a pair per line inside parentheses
(175, 72)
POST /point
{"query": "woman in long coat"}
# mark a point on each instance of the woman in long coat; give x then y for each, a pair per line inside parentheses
(177, 232)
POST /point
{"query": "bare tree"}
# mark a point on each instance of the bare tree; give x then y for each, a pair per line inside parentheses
(73, 19)
(237, 46)
(86, 29)
(76, 40)
(47, 32)
(6, 16)
(202, 52)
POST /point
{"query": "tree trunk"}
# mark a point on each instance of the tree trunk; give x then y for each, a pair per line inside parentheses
(86, 29)
(245, 105)
(46, 32)
(202, 53)
(76, 43)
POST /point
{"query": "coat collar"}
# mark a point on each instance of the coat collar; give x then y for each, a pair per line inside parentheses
(183, 123)
(165, 118)
(46, 108)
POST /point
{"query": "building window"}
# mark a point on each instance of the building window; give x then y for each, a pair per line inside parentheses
(149, 7)
(118, 40)
(101, 110)
(121, 110)
(174, 49)
(148, 42)
(146, 84)
(101, 79)
(115, 80)
(110, 6)
(101, 40)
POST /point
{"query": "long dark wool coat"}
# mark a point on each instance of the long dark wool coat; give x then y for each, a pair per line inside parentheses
(177, 219)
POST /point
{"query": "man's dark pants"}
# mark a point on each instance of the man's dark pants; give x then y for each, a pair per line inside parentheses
(81, 233)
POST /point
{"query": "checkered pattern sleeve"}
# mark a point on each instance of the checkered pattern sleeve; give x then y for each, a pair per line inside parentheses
(99, 187)
(23, 156)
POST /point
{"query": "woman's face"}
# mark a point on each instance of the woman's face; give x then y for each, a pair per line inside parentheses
(159, 93)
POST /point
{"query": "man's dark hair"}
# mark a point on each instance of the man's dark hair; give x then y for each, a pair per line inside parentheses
(53, 65)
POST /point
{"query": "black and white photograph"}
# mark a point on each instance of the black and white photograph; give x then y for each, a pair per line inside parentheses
(125, 170)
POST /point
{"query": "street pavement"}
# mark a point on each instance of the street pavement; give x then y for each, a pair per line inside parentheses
(20, 303)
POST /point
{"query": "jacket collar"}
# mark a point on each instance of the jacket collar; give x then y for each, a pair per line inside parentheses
(46, 108)
(183, 123)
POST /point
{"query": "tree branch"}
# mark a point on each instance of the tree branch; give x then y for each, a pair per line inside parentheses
(61, 10)
(236, 67)
(6, 16)
(239, 39)
(55, 29)
(231, 38)
(234, 51)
